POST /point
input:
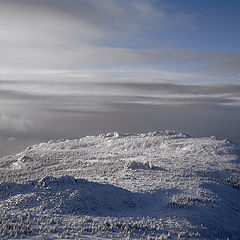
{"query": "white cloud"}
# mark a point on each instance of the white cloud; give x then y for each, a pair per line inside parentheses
(92, 35)
(12, 123)
(44, 35)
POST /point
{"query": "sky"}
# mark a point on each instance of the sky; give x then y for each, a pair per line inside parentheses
(70, 68)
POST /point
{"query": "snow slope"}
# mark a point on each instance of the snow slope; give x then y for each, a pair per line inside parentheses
(158, 185)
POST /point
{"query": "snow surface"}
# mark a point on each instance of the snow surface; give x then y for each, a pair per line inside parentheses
(158, 185)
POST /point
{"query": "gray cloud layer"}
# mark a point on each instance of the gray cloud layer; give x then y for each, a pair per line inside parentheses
(27, 117)
(98, 93)
(172, 88)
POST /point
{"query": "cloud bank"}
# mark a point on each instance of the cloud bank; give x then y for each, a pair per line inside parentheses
(11, 123)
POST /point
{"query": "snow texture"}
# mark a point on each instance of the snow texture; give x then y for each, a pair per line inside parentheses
(157, 185)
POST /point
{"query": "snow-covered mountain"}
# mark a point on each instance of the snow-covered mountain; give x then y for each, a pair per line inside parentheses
(158, 185)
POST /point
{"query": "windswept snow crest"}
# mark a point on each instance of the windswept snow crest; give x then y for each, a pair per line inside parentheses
(157, 185)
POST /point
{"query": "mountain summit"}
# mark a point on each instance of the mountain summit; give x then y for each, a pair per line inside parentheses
(157, 185)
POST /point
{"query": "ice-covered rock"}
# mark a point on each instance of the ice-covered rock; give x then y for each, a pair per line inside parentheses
(161, 184)
(134, 165)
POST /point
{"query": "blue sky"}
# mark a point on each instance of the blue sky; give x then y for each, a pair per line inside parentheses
(216, 25)
(200, 25)
(70, 68)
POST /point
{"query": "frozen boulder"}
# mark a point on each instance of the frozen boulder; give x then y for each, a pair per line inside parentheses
(134, 165)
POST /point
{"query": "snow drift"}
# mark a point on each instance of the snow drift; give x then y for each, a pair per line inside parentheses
(159, 185)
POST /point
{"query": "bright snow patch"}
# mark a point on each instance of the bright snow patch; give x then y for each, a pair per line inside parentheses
(157, 185)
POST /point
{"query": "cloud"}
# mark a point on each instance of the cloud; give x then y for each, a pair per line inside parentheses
(171, 64)
(40, 35)
(12, 123)
(85, 19)
(227, 68)
(12, 95)
(181, 100)
(179, 89)
(84, 96)
(89, 35)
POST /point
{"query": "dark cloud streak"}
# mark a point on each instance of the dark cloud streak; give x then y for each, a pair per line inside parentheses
(172, 88)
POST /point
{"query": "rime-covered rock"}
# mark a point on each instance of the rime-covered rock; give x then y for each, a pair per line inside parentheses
(161, 185)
